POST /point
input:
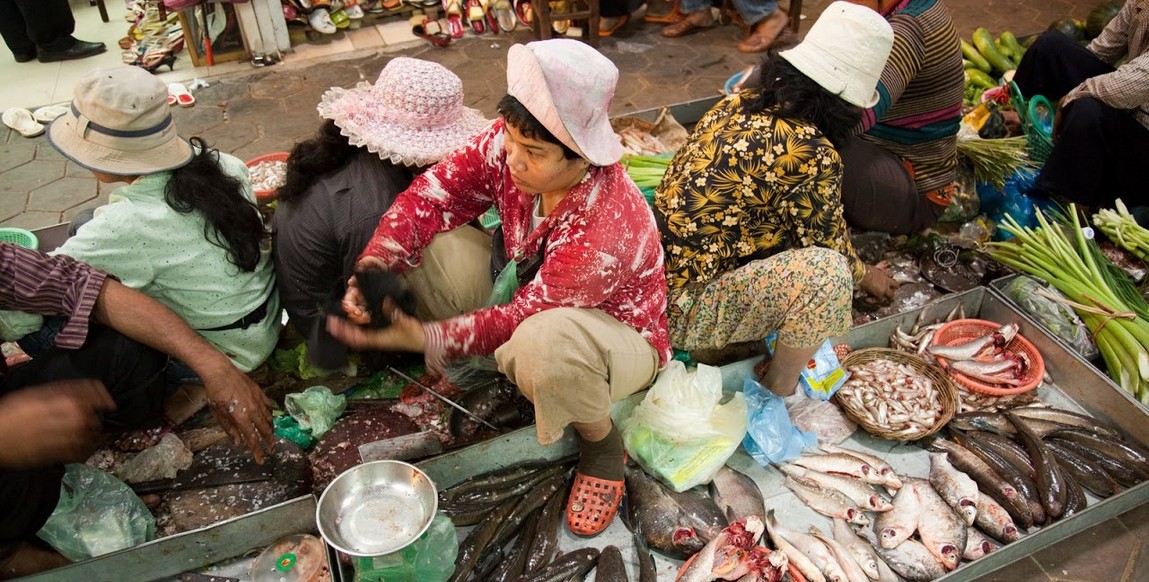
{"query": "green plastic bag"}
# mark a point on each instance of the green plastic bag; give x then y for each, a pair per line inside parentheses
(316, 409)
(96, 514)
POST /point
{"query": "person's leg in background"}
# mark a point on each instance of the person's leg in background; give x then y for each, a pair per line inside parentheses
(695, 16)
(614, 14)
(1098, 155)
(878, 192)
(15, 32)
(46, 24)
(767, 24)
(1054, 65)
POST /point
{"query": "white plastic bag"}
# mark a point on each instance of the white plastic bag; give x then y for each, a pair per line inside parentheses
(680, 433)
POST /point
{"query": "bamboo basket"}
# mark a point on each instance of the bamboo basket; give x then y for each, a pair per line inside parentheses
(947, 392)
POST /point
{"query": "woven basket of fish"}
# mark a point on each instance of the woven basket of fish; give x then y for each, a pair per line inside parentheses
(895, 395)
(988, 357)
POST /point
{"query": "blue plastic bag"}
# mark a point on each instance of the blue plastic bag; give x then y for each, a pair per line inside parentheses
(1013, 200)
(770, 435)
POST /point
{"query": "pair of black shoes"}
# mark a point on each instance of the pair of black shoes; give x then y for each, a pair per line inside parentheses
(79, 50)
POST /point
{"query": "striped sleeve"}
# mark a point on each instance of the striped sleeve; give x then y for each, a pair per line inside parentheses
(906, 60)
(61, 286)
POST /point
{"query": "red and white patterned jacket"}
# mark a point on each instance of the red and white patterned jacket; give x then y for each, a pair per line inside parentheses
(602, 246)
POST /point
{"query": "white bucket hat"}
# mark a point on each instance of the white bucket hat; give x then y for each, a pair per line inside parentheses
(568, 87)
(845, 52)
(120, 123)
(413, 115)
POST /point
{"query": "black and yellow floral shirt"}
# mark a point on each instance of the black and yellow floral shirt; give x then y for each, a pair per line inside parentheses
(745, 187)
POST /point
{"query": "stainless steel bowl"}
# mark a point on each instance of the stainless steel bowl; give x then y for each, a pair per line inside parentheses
(376, 508)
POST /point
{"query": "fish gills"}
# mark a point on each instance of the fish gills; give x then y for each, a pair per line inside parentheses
(993, 519)
(955, 487)
(897, 525)
(909, 559)
(976, 544)
(941, 530)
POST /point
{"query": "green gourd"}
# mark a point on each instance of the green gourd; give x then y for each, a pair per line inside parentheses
(970, 53)
(983, 40)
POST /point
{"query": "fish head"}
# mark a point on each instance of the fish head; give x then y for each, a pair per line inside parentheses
(834, 573)
(879, 503)
(729, 563)
(857, 516)
(950, 556)
(1010, 533)
(888, 536)
(687, 540)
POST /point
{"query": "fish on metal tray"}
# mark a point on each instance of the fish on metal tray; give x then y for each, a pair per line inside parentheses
(675, 524)
(1025, 485)
(1123, 451)
(942, 531)
(885, 470)
(859, 492)
(734, 554)
(859, 550)
(846, 562)
(1087, 473)
(1068, 418)
(994, 520)
(1050, 480)
(955, 487)
(976, 544)
(842, 464)
(736, 494)
(828, 502)
(610, 567)
(810, 546)
(898, 524)
(909, 559)
(798, 559)
(988, 481)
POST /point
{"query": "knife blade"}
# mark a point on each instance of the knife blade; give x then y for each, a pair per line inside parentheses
(401, 448)
(446, 400)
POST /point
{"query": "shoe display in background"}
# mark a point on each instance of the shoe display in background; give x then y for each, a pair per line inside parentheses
(320, 21)
(504, 13)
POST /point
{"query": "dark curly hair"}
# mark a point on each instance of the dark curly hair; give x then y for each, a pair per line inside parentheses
(517, 116)
(790, 93)
(231, 221)
(328, 150)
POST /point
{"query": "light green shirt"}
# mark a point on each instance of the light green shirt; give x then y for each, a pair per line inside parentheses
(152, 248)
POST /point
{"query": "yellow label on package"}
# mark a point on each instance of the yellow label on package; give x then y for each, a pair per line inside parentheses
(823, 374)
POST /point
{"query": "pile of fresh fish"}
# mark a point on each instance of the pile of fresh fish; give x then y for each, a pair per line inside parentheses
(987, 358)
(921, 334)
(892, 395)
(735, 554)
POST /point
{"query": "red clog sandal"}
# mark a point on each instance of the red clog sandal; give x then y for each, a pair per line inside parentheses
(592, 504)
(454, 11)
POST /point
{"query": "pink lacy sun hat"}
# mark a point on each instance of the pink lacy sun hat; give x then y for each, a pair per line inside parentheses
(413, 115)
(568, 86)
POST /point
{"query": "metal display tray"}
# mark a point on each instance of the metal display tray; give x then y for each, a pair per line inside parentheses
(193, 551)
(1076, 386)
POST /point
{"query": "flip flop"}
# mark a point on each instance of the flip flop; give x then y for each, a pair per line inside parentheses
(492, 20)
(477, 16)
(504, 15)
(21, 121)
(431, 31)
(178, 94)
(49, 113)
(454, 18)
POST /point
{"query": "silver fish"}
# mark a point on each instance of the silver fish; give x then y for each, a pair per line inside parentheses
(1003, 372)
(970, 349)
(884, 469)
(828, 502)
(737, 495)
(955, 487)
(862, 553)
(897, 525)
(818, 553)
(976, 544)
(800, 560)
(994, 520)
(722, 555)
(846, 562)
(909, 559)
(941, 530)
(858, 491)
(841, 464)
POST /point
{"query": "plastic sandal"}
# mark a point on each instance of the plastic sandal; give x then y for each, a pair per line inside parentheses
(592, 504)
(504, 15)
(431, 31)
(454, 18)
(320, 20)
(477, 16)
(182, 96)
(21, 121)
(492, 21)
(619, 22)
(524, 12)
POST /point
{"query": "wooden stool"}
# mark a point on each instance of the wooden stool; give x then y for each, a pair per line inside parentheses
(542, 19)
(103, 9)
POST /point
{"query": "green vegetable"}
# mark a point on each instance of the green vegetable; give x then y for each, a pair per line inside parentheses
(1008, 40)
(969, 52)
(994, 160)
(967, 64)
(1099, 18)
(1122, 228)
(980, 79)
(1070, 27)
(1101, 294)
(646, 171)
(983, 40)
(1005, 52)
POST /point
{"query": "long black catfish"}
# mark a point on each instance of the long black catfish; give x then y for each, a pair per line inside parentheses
(1050, 479)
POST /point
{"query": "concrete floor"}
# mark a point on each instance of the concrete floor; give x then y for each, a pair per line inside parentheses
(267, 110)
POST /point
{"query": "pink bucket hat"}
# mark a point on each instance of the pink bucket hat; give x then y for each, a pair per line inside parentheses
(567, 86)
(413, 115)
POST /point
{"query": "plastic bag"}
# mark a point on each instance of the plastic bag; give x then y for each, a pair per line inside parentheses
(1056, 317)
(162, 461)
(823, 374)
(680, 433)
(96, 514)
(316, 409)
(828, 423)
(770, 434)
(431, 558)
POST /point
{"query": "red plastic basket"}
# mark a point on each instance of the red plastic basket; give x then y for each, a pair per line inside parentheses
(963, 330)
(267, 195)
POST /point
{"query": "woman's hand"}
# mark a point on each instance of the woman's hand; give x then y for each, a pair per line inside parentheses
(879, 283)
(404, 334)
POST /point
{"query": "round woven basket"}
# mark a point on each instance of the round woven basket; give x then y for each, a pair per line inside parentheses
(964, 330)
(947, 393)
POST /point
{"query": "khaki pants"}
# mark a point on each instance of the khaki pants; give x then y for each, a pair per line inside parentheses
(571, 363)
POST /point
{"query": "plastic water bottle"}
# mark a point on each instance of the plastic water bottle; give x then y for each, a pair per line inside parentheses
(431, 558)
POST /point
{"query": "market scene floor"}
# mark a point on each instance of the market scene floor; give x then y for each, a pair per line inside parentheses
(267, 110)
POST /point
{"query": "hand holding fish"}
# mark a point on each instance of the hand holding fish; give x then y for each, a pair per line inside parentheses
(404, 334)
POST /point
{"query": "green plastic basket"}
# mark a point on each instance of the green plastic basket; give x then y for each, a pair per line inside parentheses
(20, 237)
(1036, 117)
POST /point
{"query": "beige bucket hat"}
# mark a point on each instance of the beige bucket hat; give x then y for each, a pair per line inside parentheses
(119, 123)
(568, 86)
(413, 115)
(845, 52)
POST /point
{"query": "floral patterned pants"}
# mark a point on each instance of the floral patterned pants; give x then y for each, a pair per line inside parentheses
(804, 294)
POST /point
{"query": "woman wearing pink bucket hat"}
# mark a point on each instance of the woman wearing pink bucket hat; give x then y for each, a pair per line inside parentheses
(376, 139)
(585, 323)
